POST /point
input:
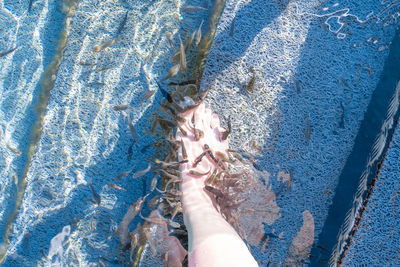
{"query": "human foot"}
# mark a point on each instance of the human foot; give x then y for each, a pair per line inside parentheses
(212, 240)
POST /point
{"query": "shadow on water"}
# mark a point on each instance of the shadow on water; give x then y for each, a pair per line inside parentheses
(319, 69)
(262, 14)
(357, 161)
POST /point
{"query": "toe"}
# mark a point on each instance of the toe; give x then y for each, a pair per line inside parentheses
(214, 121)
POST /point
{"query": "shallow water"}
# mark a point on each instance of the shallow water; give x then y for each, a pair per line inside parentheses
(56, 109)
(319, 75)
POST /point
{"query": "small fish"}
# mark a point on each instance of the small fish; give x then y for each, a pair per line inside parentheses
(174, 224)
(321, 247)
(188, 9)
(149, 238)
(165, 259)
(166, 95)
(123, 228)
(222, 156)
(153, 183)
(232, 28)
(198, 34)
(167, 123)
(173, 113)
(198, 159)
(218, 193)
(177, 208)
(96, 197)
(5, 53)
(296, 84)
(92, 226)
(250, 85)
(82, 63)
(198, 134)
(211, 179)
(14, 150)
(228, 130)
(192, 120)
(198, 174)
(43, 254)
(134, 239)
(147, 95)
(130, 152)
(169, 175)
(132, 130)
(173, 180)
(122, 107)
(154, 126)
(211, 155)
(182, 56)
(172, 72)
(116, 187)
(169, 38)
(189, 42)
(15, 179)
(182, 83)
(176, 56)
(159, 220)
(170, 164)
(184, 133)
(103, 46)
(184, 154)
(342, 80)
(122, 24)
(124, 174)
(143, 172)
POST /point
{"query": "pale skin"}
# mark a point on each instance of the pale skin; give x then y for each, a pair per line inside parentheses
(212, 240)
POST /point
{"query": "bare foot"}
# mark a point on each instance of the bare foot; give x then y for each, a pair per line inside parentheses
(212, 240)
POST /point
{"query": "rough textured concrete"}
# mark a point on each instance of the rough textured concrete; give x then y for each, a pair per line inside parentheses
(316, 67)
(19, 78)
(83, 139)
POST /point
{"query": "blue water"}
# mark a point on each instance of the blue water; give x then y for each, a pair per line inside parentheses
(306, 60)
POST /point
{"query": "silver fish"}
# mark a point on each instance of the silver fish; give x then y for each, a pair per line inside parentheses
(192, 8)
(172, 72)
(102, 46)
(143, 172)
(198, 34)
(232, 28)
(96, 197)
(121, 107)
(124, 173)
(132, 130)
(153, 183)
(123, 230)
(176, 56)
(182, 56)
(189, 42)
(169, 38)
(5, 53)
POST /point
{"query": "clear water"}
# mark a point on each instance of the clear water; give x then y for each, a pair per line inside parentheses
(320, 99)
